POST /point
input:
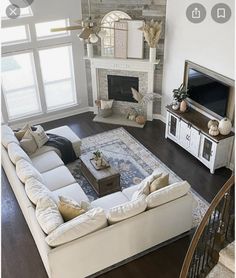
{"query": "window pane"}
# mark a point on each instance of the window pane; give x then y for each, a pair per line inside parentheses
(57, 71)
(44, 29)
(21, 96)
(23, 11)
(14, 34)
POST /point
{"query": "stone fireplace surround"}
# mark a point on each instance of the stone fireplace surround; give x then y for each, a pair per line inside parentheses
(143, 69)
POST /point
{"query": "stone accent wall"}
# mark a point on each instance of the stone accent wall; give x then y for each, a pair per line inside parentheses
(137, 9)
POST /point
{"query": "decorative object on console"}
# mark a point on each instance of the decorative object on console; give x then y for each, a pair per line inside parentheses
(180, 95)
(152, 33)
(225, 126)
(214, 131)
(121, 40)
(141, 120)
(175, 105)
(212, 122)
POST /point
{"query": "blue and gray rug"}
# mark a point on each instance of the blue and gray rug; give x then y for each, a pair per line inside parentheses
(133, 161)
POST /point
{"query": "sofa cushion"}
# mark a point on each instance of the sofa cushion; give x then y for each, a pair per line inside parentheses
(73, 191)
(26, 170)
(45, 149)
(69, 208)
(126, 210)
(130, 191)
(16, 153)
(8, 136)
(40, 136)
(110, 200)
(167, 194)
(91, 221)
(47, 161)
(57, 178)
(28, 143)
(48, 215)
(36, 190)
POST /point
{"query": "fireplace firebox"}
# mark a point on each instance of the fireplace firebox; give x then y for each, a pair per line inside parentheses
(119, 87)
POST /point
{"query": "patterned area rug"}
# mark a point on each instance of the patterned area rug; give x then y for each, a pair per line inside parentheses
(133, 161)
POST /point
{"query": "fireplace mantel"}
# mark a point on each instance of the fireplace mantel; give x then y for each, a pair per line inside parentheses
(124, 65)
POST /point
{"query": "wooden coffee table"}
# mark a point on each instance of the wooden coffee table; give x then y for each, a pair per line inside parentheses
(105, 181)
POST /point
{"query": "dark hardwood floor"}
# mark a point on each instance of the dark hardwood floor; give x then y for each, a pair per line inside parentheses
(20, 257)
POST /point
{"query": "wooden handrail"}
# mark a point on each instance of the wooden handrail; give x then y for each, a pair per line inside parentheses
(201, 227)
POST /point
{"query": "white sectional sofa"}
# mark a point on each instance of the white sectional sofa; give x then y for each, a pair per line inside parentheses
(111, 243)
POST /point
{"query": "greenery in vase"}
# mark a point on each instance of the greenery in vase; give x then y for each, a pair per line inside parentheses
(97, 155)
(181, 93)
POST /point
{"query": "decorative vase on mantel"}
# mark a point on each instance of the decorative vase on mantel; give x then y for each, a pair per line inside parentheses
(183, 106)
(152, 54)
(90, 50)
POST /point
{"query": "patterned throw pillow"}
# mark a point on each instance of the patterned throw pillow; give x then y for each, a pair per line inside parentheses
(106, 104)
(40, 136)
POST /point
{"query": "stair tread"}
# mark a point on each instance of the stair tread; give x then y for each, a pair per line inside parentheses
(220, 271)
(227, 256)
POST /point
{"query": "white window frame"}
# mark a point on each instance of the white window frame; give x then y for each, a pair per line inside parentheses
(27, 40)
(53, 36)
(72, 78)
(36, 88)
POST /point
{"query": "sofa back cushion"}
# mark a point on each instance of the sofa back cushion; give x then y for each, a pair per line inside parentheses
(8, 136)
(91, 221)
(48, 215)
(167, 194)
(126, 210)
(16, 153)
(26, 170)
(36, 190)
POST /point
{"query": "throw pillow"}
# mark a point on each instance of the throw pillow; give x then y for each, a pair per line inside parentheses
(48, 215)
(21, 132)
(106, 104)
(16, 153)
(40, 136)
(28, 143)
(91, 221)
(69, 209)
(167, 194)
(159, 182)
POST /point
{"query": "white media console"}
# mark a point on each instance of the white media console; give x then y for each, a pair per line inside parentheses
(190, 131)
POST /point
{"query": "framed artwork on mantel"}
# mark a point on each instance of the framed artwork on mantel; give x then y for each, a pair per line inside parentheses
(121, 40)
(135, 38)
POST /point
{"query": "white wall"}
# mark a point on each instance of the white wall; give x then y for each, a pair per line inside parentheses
(208, 44)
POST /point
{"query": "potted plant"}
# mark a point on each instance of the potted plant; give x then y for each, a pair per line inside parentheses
(179, 96)
(98, 158)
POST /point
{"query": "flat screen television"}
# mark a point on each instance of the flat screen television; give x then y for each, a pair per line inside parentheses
(207, 92)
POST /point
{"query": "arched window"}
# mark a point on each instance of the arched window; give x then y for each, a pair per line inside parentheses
(107, 42)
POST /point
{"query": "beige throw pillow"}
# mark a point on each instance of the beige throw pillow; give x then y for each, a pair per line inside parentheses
(159, 182)
(28, 143)
(106, 104)
(69, 209)
(20, 133)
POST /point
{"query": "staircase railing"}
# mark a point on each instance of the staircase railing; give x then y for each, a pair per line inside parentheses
(215, 231)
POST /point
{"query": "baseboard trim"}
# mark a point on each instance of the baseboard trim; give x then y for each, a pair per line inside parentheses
(48, 118)
(159, 117)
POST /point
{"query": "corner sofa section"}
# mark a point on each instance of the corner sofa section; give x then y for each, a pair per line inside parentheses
(108, 246)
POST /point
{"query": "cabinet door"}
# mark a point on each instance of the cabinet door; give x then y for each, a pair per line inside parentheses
(207, 151)
(173, 127)
(195, 137)
(184, 135)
